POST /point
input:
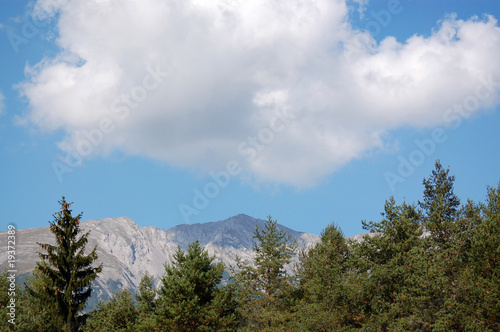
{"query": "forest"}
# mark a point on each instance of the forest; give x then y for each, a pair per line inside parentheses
(431, 265)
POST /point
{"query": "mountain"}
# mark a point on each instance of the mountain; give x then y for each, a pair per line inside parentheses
(128, 251)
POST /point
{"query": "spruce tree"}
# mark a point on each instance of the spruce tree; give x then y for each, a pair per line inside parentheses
(67, 273)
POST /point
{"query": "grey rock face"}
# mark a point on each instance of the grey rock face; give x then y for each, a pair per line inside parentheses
(128, 251)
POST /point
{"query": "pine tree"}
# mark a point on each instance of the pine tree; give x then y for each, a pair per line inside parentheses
(441, 206)
(36, 314)
(67, 273)
(6, 298)
(146, 302)
(381, 266)
(451, 229)
(146, 306)
(117, 315)
(264, 288)
(483, 293)
(325, 305)
(191, 297)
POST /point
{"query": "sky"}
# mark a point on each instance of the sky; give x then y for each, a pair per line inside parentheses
(175, 112)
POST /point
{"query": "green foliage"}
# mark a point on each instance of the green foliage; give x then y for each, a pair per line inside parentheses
(148, 323)
(265, 291)
(146, 303)
(380, 263)
(32, 314)
(430, 270)
(117, 315)
(67, 272)
(5, 300)
(325, 304)
(441, 206)
(191, 298)
(482, 277)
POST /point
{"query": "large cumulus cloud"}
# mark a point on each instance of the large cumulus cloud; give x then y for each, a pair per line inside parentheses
(288, 88)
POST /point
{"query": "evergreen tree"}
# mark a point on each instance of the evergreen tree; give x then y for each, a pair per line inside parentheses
(441, 206)
(483, 276)
(325, 304)
(380, 262)
(30, 313)
(146, 305)
(451, 230)
(117, 315)
(470, 217)
(398, 232)
(66, 272)
(146, 299)
(5, 301)
(36, 314)
(265, 290)
(191, 298)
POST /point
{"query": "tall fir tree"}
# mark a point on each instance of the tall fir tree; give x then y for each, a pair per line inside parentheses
(67, 273)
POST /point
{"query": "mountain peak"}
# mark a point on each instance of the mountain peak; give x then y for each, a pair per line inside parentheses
(242, 218)
(127, 251)
(103, 221)
(111, 225)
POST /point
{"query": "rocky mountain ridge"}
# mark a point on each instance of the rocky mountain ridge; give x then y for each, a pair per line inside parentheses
(128, 251)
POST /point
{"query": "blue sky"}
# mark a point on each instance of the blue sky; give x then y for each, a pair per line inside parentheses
(310, 112)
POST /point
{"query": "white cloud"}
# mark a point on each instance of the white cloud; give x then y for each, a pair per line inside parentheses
(233, 65)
